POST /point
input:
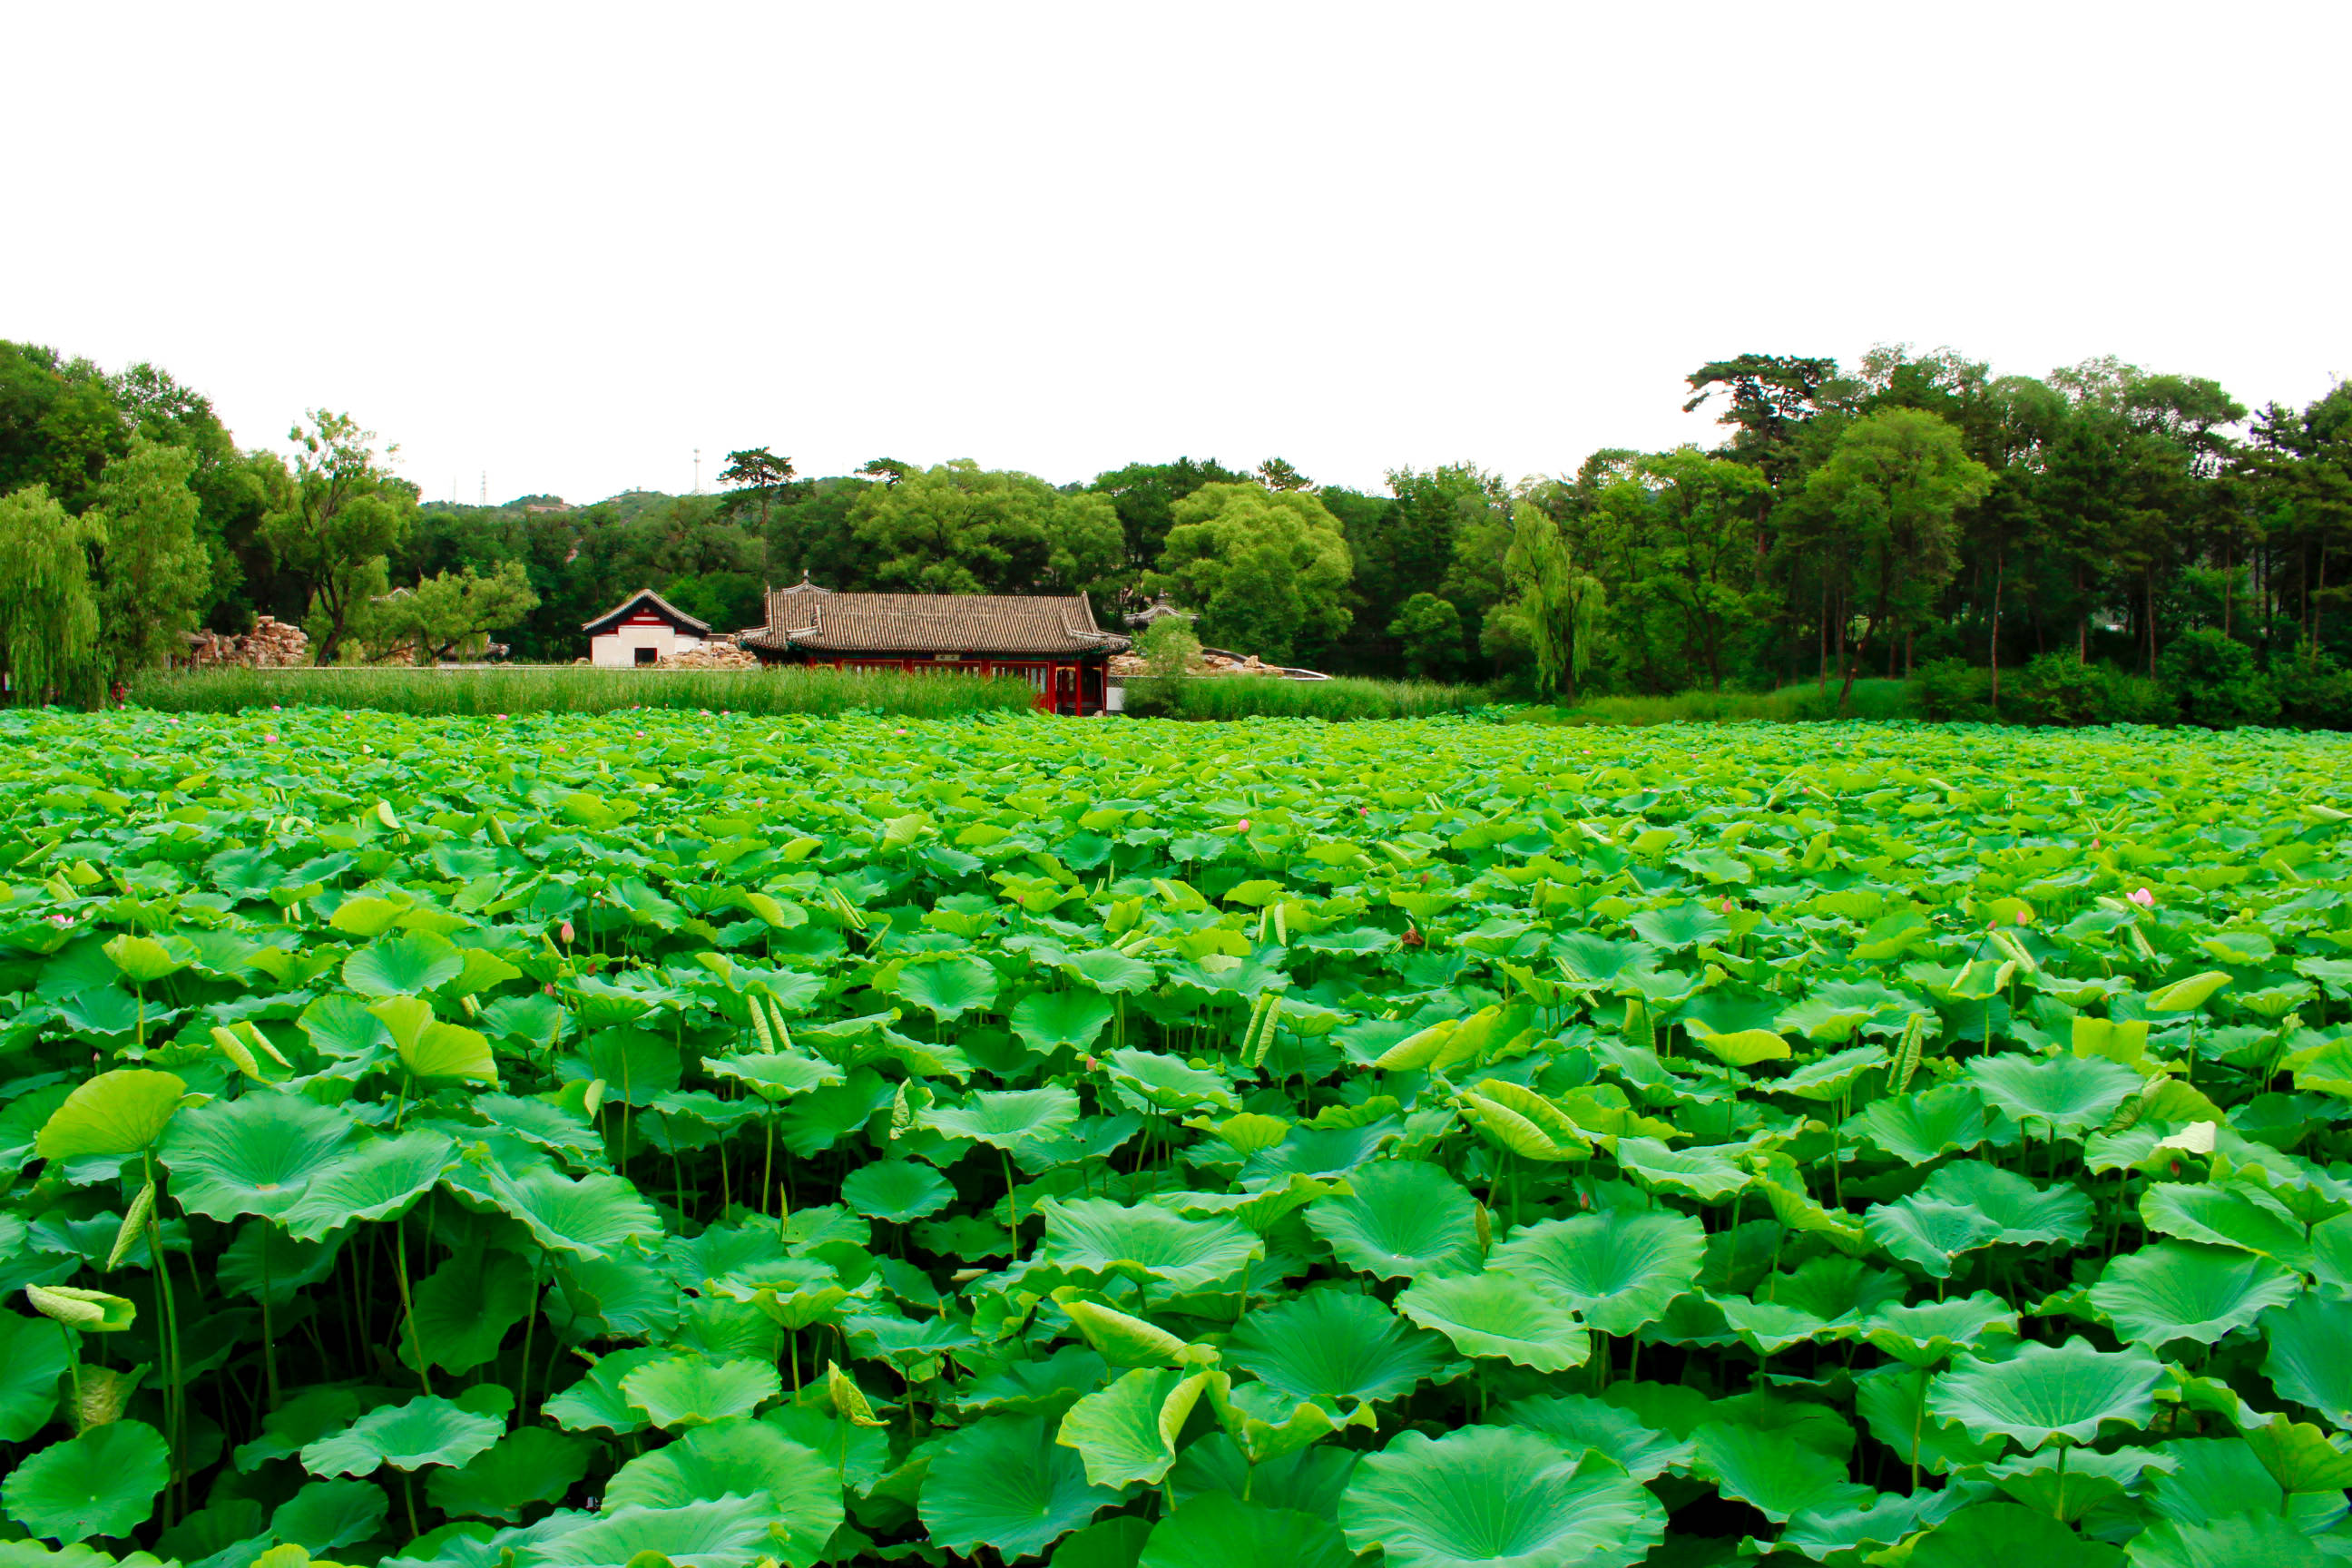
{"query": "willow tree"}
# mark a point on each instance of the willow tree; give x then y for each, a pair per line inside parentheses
(48, 616)
(1561, 599)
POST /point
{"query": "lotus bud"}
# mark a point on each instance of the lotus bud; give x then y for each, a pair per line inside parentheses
(565, 932)
(2143, 898)
(1242, 825)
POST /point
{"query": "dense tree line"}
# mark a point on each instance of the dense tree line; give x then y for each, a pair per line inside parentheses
(2015, 546)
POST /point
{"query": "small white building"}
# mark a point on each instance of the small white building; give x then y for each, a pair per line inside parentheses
(643, 629)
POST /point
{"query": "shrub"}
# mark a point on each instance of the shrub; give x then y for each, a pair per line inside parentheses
(1428, 630)
(1946, 690)
(2059, 689)
(2213, 678)
(2315, 692)
(1169, 648)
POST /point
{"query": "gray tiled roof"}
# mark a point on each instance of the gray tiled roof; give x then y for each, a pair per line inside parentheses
(819, 621)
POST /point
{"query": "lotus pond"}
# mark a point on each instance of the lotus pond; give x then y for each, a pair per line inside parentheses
(715, 1139)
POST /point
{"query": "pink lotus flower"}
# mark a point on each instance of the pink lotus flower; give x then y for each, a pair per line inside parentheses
(565, 932)
(1244, 824)
(269, 738)
(2022, 919)
(2143, 898)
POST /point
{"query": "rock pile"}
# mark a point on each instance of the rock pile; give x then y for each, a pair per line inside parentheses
(714, 655)
(272, 644)
(1212, 661)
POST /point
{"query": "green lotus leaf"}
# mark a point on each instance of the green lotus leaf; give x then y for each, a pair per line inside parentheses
(1126, 1433)
(117, 1112)
(144, 959)
(255, 1154)
(1114, 1542)
(464, 1309)
(2006, 1533)
(1856, 1529)
(32, 1361)
(530, 1465)
(2299, 1456)
(717, 1533)
(1834, 1077)
(897, 1190)
(104, 1482)
(1151, 1081)
(1683, 925)
(451, 1051)
(1738, 1047)
(1309, 1479)
(85, 1311)
(427, 1430)
(2212, 1477)
(2236, 1215)
(2306, 1360)
(1268, 1425)
(1702, 1174)
(1402, 1219)
(323, 1515)
(1003, 1482)
(403, 965)
(1923, 1333)
(1497, 1314)
(947, 988)
(2238, 1540)
(378, 1179)
(1931, 1232)
(1217, 1530)
(1107, 971)
(2188, 995)
(746, 1458)
(1892, 1402)
(1144, 1242)
(636, 1068)
(1523, 1121)
(2043, 1392)
(1924, 1126)
(1333, 1345)
(2179, 1290)
(2073, 1482)
(1763, 1468)
(596, 1402)
(1576, 1422)
(594, 1216)
(1016, 1120)
(2068, 1092)
(1497, 1495)
(694, 1390)
(776, 1075)
(1618, 1268)
(1049, 1020)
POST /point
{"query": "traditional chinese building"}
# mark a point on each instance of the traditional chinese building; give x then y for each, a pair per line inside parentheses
(643, 629)
(1049, 641)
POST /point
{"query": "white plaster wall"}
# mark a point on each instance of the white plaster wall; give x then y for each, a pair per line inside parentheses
(617, 650)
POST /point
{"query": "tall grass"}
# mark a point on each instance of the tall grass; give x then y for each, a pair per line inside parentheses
(573, 689)
(1270, 697)
(1804, 702)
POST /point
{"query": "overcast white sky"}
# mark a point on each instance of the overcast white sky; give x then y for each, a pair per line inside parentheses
(569, 244)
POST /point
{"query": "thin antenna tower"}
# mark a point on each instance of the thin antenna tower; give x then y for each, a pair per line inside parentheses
(486, 486)
(698, 470)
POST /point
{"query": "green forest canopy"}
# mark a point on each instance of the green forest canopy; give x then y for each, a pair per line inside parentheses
(1853, 520)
